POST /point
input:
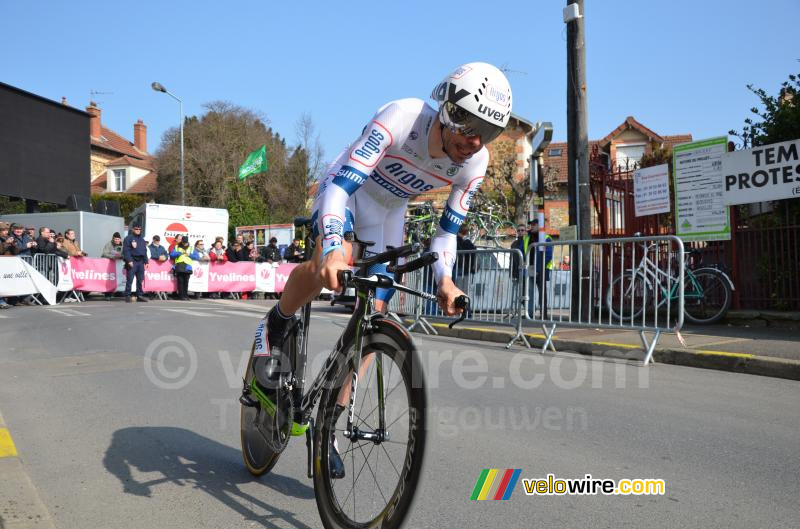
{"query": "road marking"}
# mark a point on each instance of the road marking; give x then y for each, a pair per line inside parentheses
(62, 312)
(7, 448)
(241, 305)
(623, 345)
(195, 313)
(721, 342)
(242, 313)
(68, 312)
(724, 353)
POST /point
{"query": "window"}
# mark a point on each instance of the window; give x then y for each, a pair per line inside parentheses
(554, 152)
(628, 156)
(119, 180)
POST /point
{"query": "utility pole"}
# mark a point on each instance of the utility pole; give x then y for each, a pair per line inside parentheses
(578, 154)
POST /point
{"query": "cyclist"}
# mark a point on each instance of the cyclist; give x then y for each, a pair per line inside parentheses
(406, 149)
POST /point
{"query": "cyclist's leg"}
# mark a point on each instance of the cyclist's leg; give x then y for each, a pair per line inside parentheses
(385, 230)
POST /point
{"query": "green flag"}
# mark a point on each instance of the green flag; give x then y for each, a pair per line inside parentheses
(255, 163)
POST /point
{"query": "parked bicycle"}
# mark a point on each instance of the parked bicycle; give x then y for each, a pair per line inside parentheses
(486, 225)
(708, 291)
(383, 424)
(421, 222)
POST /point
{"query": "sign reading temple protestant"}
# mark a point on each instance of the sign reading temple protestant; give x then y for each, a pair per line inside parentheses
(768, 172)
(700, 214)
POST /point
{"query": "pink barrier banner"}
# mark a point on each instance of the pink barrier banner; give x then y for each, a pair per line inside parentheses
(94, 275)
(282, 275)
(158, 277)
(107, 275)
(232, 277)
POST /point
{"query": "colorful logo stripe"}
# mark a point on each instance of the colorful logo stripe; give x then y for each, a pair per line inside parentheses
(496, 484)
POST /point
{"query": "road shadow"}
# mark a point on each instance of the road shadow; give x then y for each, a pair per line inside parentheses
(185, 458)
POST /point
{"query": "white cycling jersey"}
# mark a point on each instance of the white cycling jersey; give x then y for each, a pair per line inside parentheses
(377, 175)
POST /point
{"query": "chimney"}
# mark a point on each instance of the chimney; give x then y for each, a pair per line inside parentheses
(140, 136)
(94, 121)
(64, 101)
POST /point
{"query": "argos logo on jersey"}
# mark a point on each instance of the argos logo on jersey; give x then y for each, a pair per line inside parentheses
(469, 194)
(407, 178)
(371, 145)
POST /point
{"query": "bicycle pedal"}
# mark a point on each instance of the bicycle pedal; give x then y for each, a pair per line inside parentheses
(245, 400)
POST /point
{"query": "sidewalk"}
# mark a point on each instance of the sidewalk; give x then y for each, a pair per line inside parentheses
(754, 342)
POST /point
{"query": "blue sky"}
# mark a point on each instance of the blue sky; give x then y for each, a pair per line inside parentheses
(678, 66)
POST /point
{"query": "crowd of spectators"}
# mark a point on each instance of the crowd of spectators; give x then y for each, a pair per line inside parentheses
(136, 253)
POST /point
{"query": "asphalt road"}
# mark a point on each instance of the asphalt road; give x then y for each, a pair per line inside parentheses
(108, 444)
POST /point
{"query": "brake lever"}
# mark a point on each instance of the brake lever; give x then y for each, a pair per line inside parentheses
(461, 302)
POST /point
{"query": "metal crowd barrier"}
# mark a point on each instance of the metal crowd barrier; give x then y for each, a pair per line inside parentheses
(631, 283)
(49, 266)
(490, 277)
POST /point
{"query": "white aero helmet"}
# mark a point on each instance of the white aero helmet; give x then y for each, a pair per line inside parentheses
(474, 100)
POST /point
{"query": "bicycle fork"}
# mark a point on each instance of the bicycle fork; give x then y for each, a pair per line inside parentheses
(352, 431)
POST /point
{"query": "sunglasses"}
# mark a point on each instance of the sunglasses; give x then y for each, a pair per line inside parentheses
(468, 124)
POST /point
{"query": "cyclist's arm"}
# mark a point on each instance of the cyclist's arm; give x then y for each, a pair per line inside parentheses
(444, 242)
(353, 170)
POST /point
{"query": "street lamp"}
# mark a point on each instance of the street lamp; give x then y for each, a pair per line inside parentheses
(158, 87)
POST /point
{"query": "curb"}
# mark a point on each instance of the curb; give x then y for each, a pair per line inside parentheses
(734, 362)
(20, 504)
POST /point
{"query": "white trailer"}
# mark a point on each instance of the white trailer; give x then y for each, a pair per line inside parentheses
(168, 220)
(92, 230)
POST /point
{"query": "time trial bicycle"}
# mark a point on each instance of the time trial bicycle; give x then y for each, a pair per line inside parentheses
(382, 429)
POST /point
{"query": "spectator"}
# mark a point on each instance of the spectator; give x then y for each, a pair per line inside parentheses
(234, 252)
(157, 252)
(183, 267)
(112, 250)
(294, 252)
(564, 263)
(252, 253)
(71, 246)
(31, 231)
(465, 264)
(134, 253)
(46, 243)
(7, 246)
(271, 253)
(200, 250)
(24, 246)
(217, 253)
(540, 262)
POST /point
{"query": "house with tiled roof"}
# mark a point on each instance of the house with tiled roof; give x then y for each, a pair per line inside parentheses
(620, 150)
(119, 165)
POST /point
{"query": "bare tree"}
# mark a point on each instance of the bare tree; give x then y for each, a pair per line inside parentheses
(308, 140)
(515, 193)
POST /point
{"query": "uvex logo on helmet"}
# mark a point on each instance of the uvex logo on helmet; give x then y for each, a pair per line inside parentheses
(491, 113)
(447, 92)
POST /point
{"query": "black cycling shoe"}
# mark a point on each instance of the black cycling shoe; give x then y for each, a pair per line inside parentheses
(268, 368)
(335, 463)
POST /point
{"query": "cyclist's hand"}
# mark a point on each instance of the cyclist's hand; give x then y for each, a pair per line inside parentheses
(331, 264)
(447, 292)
